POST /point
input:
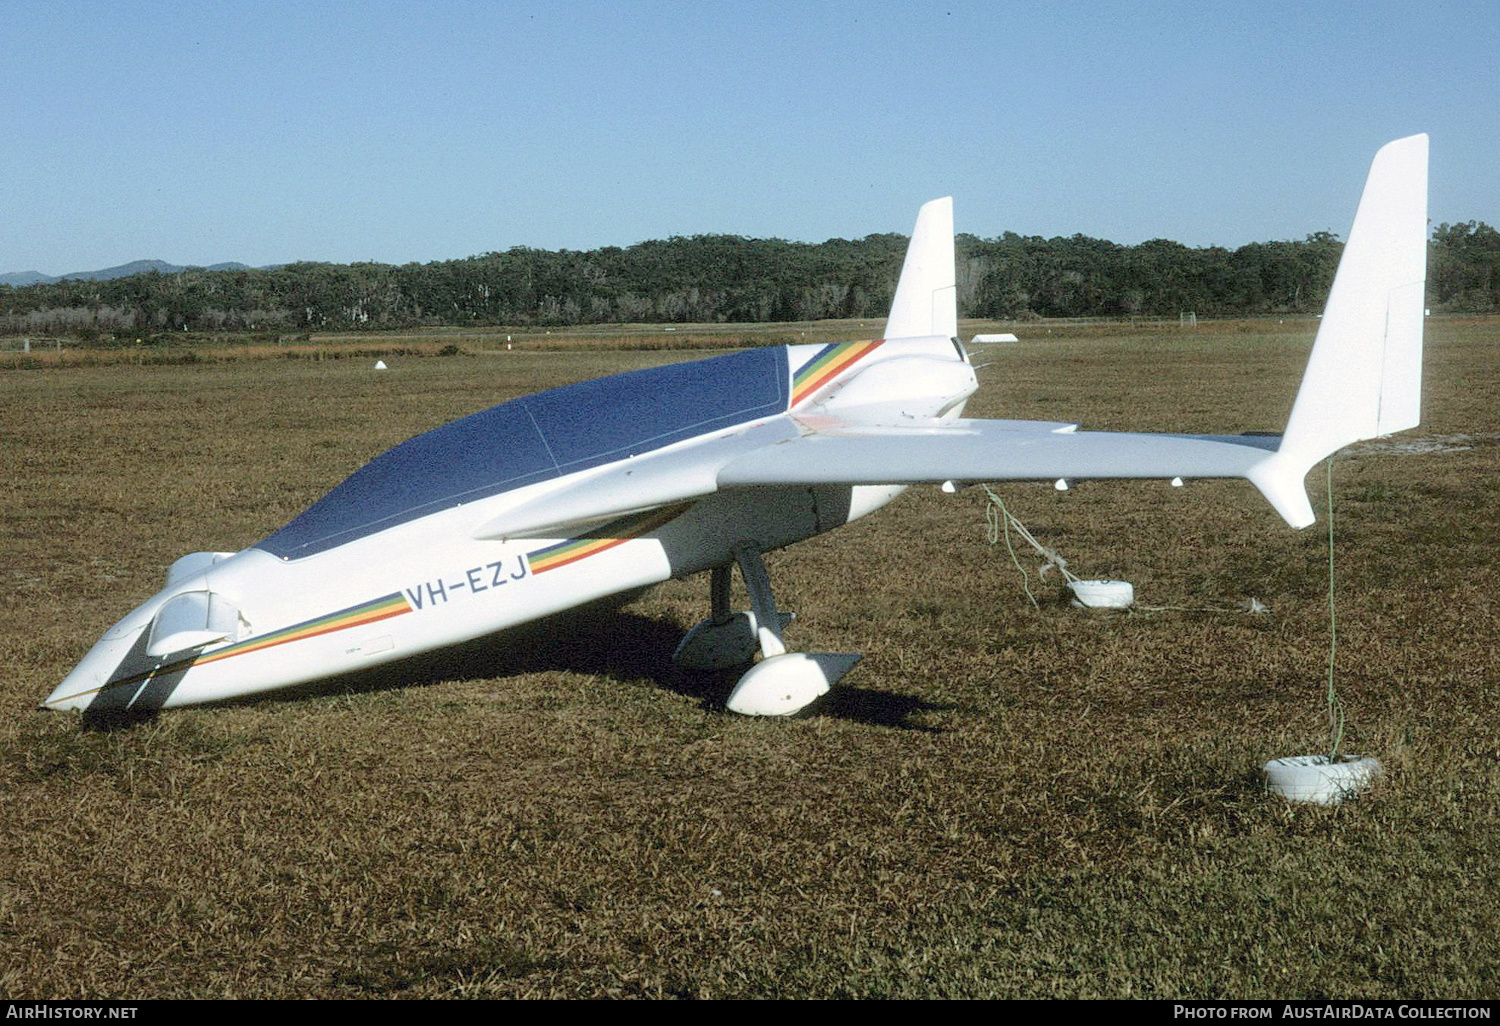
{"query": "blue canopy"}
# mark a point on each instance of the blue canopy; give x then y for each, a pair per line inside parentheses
(541, 436)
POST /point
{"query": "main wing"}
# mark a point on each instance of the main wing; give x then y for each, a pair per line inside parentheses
(989, 450)
(1363, 380)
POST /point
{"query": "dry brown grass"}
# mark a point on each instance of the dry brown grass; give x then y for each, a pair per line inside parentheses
(996, 803)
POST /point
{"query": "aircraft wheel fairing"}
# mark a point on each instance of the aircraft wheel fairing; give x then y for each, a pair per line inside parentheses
(722, 644)
(784, 685)
(718, 646)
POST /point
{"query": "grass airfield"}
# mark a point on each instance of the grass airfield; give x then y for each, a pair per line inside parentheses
(998, 802)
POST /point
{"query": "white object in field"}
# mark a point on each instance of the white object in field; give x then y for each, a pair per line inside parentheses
(1060, 484)
(1312, 778)
(1002, 337)
(380, 365)
(1102, 594)
(554, 500)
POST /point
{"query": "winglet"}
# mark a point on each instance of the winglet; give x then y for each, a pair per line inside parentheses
(1364, 377)
(926, 300)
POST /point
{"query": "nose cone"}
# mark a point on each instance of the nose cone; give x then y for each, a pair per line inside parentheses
(109, 676)
(70, 694)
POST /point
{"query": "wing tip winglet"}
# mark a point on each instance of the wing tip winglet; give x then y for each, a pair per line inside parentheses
(1280, 481)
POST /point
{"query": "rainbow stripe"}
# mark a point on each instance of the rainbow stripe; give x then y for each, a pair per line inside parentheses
(384, 608)
(616, 532)
(828, 364)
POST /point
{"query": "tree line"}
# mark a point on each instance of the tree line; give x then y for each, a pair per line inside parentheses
(727, 278)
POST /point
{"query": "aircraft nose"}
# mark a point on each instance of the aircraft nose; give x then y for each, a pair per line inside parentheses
(67, 696)
(99, 677)
(77, 689)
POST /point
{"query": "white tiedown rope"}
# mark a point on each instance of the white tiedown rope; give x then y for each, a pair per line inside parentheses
(1335, 707)
(1001, 521)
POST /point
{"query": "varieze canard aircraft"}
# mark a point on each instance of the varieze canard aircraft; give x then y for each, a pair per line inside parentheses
(547, 502)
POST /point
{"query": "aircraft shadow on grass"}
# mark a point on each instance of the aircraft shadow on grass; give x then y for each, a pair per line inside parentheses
(602, 640)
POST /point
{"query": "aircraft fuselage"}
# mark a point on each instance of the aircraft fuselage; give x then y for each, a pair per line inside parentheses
(339, 591)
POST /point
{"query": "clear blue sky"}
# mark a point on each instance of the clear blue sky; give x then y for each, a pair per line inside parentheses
(268, 132)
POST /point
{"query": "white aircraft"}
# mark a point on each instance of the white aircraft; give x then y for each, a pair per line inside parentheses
(564, 497)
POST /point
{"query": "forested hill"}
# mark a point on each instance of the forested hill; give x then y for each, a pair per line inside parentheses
(708, 278)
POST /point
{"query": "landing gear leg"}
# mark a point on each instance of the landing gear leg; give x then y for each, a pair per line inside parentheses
(783, 683)
(726, 639)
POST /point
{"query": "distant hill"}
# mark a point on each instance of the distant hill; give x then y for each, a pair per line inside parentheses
(20, 278)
